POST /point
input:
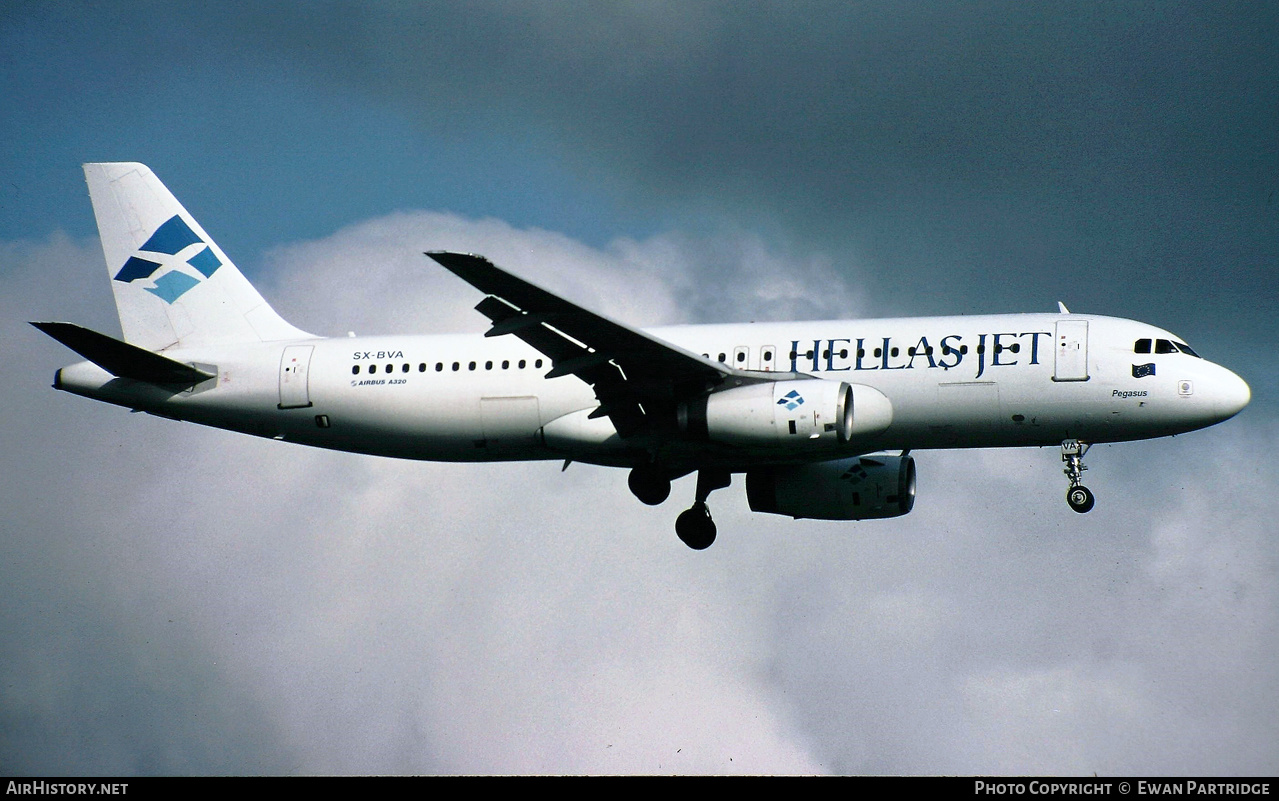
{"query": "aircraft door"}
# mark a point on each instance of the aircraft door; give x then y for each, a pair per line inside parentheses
(741, 357)
(1072, 351)
(768, 358)
(295, 364)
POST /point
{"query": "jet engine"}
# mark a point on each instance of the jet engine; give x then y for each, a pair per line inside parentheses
(799, 412)
(858, 488)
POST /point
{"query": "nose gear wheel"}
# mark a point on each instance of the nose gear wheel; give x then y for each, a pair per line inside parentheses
(1078, 496)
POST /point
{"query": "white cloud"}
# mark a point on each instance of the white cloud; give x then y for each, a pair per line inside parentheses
(373, 276)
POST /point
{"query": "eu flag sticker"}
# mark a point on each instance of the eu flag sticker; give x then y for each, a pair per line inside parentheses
(1143, 370)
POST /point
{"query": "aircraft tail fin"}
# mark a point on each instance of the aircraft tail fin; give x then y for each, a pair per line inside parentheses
(173, 285)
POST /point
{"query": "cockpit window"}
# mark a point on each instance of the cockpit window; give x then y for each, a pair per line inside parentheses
(1163, 346)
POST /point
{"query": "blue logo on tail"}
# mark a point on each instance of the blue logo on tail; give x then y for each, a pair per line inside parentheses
(170, 239)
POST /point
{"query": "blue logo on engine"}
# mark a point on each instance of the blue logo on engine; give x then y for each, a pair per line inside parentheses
(170, 239)
(854, 474)
(791, 400)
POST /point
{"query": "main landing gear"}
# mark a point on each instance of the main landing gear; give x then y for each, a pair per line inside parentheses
(1078, 496)
(694, 525)
(650, 484)
(695, 528)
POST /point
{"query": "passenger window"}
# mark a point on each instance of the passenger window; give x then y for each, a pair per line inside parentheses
(538, 364)
(741, 357)
(421, 368)
(1141, 346)
(456, 366)
(506, 364)
(355, 370)
(405, 368)
(372, 369)
(723, 358)
(471, 366)
(439, 366)
(522, 363)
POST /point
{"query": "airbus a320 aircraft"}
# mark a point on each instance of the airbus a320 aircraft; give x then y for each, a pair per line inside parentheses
(819, 416)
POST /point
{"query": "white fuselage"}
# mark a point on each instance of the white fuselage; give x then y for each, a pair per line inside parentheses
(978, 381)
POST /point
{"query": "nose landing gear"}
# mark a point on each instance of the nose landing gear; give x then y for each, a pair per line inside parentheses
(1078, 496)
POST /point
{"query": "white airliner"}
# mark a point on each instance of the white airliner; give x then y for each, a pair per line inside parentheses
(820, 416)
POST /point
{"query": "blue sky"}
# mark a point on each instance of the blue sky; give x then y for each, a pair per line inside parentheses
(664, 162)
(246, 134)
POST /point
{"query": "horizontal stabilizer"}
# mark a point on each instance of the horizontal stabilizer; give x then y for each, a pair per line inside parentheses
(122, 359)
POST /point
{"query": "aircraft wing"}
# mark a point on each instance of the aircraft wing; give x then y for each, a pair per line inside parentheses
(632, 372)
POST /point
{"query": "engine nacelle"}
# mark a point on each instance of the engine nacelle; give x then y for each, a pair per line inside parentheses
(799, 412)
(858, 488)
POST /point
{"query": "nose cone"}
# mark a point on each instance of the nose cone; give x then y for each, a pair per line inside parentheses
(1230, 394)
